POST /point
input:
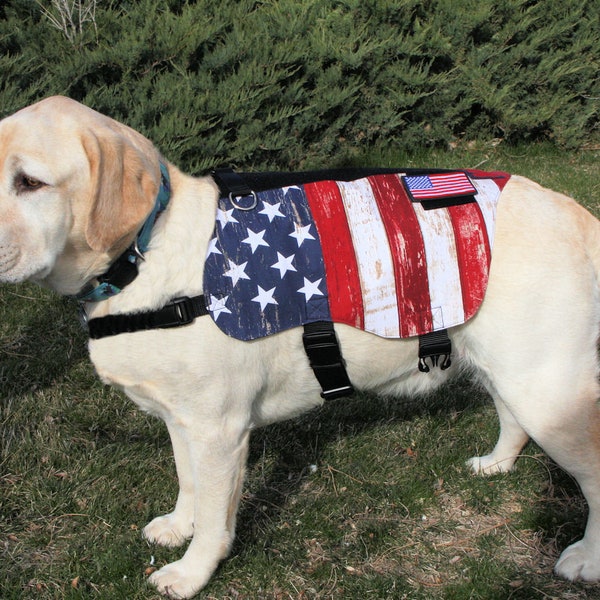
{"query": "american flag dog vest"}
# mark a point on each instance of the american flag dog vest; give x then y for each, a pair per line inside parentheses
(397, 254)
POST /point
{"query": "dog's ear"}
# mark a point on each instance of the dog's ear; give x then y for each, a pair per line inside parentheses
(124, 183)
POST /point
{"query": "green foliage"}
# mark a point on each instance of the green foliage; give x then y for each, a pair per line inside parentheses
(294, 83)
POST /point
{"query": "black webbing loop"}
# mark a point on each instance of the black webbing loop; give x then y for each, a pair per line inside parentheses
(181, 311)
(230, 182)
(435, 346)
(325, 357)
(234, 185)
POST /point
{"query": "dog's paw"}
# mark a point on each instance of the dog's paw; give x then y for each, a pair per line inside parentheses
(168, 530)
(578, 562)
(488, 465)
(178, 581)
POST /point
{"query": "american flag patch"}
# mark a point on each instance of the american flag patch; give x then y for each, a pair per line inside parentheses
(441, 185)
(357, 252)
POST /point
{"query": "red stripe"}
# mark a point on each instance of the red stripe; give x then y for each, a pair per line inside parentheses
(500, 178)
(343, 282)
(473, 254)
(408, 253)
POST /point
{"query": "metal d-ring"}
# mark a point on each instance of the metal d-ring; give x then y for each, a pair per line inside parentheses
(238, 206)
(135, 249)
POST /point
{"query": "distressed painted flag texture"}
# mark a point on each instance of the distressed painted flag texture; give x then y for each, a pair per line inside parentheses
(360, 253)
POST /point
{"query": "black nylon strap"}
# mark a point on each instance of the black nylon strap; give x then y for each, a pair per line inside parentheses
(434, 345)
(325, 358)
(319, 339)
(181, 311)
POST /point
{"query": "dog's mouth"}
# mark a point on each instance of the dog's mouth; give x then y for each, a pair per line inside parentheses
(9, 259)
(16, 267)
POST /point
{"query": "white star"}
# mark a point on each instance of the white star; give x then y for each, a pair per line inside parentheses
(225, 217)
(217, 306)
(284, 264)
(271, 210)
(310, 289)
(264, 297)
(255, 239)
(236, 272)
(212, 247)
(301, 234)
(289, 187)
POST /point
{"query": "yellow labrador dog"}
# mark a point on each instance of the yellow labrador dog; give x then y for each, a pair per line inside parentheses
(75, 189)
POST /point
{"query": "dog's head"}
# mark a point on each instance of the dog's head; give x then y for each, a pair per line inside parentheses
(75, 187)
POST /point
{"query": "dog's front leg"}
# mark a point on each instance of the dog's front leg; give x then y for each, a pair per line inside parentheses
(176, 527)
(218, 458)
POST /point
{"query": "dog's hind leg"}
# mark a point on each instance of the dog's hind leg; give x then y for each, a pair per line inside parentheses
(555, 402)
(219, 454)
(575, 446)
(574, 443)
(560, 412)
(510, 442)
(176, 527)
(572, 439)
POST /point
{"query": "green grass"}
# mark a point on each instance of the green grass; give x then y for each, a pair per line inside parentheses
(366, 498)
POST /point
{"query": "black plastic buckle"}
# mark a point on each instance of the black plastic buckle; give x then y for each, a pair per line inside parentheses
(183, 310)
(435, 362)
(437, 347)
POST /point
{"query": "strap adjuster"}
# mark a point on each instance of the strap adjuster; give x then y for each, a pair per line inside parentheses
(183, 310)
(179, 312)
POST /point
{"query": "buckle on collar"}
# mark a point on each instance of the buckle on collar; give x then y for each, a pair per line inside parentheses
(83, 316)
(136, 252)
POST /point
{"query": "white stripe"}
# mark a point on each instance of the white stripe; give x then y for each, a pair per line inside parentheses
(487, 198)
(445, 289)
(373, 256)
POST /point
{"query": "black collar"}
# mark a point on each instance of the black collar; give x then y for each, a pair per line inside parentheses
(124, 270)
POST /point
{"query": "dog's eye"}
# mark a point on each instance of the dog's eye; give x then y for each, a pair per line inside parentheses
(25, 183)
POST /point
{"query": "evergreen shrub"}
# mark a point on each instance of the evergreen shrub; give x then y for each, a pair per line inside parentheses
(303, 83)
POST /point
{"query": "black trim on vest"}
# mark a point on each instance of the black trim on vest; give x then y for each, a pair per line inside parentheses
(243, 184)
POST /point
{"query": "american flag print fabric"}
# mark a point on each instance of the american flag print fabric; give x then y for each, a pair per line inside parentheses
(362, 253)
(441, 185)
